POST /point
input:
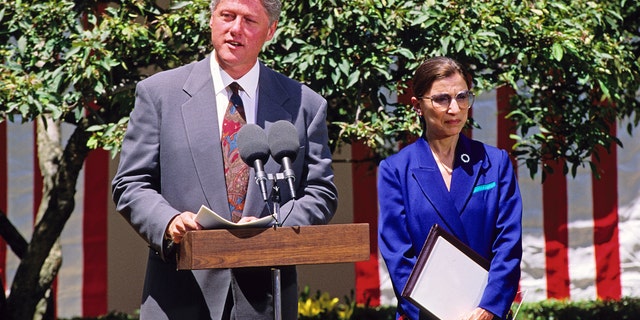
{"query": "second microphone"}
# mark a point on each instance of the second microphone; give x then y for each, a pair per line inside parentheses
(282, 143)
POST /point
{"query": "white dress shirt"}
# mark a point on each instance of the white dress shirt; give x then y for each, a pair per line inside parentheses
(249, 92)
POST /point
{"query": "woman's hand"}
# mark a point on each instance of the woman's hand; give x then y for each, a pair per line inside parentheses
(478, 314)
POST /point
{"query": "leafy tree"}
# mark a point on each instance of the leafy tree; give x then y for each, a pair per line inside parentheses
(78, 63)
(573, 65)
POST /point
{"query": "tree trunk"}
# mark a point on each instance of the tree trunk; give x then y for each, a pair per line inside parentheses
(18, 245)
(39, 266)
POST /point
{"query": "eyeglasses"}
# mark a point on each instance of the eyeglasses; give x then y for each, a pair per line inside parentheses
(464, 99)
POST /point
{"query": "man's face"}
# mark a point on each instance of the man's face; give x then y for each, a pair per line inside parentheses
(239, 29)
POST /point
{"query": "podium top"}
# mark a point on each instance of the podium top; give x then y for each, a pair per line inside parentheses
(274, 246)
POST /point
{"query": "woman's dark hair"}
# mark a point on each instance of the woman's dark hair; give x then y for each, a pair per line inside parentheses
(434, 69)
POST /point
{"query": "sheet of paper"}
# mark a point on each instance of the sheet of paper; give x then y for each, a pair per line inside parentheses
(208, 219)
(450, 284)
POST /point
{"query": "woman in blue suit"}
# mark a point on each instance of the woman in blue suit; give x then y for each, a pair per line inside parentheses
(465, 186)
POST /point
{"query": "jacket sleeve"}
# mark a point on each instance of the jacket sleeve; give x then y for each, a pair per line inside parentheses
(316, 194)
(504, 272)
(394, 241)
(136, 185)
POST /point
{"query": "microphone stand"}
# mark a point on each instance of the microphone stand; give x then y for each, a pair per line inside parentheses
(275, 271)
(275, 197)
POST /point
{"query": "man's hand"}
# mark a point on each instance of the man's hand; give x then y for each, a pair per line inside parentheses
(180, 225)
(246, 219)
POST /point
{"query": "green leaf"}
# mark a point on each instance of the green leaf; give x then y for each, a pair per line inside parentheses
(605, 90)
(179, 5)
(344, 67)
(557, 51)
(353, 78)
(22, 44)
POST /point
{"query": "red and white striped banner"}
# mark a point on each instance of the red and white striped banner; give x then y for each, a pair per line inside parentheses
(81, 286)
(580, 235)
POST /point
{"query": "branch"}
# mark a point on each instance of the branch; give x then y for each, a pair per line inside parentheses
(12, 236)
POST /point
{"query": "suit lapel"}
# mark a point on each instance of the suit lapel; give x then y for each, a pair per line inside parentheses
(200, 120)
(273, 101)
(470, 159)
(430, 180)
(201, 124)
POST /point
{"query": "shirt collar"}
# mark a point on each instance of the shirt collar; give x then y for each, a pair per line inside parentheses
(221, 79)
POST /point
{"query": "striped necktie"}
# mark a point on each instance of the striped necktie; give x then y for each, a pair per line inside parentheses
(236, 172)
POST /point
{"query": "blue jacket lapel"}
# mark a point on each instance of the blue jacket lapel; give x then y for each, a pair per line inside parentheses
(430, 180)
(470, 161)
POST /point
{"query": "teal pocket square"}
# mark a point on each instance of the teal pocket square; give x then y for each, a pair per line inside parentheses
(484, 187)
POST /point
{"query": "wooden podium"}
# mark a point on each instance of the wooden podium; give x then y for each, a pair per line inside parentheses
(274, 246)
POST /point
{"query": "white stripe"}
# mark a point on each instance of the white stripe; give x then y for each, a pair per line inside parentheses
(485, 111)
(70, 277)
(629, 210)
(387, 296)
(20, 174)
(533, 265)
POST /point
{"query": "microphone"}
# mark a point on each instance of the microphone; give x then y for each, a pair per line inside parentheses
(284, 145)
(254, 151)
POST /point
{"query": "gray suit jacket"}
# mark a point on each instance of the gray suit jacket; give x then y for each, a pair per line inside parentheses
(171, 162)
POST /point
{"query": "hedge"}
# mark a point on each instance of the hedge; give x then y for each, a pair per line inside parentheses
(627, 308)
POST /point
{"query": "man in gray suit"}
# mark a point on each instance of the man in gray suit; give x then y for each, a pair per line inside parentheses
(171, 164)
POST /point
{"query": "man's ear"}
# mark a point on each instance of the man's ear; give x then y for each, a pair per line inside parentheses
(272, 30)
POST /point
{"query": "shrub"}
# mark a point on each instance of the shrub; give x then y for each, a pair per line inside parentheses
(625, 309)
(322, 306)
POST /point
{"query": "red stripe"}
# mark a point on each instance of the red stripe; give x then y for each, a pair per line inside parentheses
(4, 201)
(605, 229)
(363, 177)
(468, 130)
(555, 208)
(94, 290)
(37, 174)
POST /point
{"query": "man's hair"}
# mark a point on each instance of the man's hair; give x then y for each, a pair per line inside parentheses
(273, 8)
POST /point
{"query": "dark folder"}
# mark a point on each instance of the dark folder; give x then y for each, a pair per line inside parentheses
(448, 279)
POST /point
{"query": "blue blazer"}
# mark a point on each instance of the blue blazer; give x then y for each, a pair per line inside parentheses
(483, 209)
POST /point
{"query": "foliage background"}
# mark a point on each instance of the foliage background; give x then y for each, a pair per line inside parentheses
(573, 65)
(568, 61)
